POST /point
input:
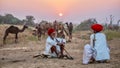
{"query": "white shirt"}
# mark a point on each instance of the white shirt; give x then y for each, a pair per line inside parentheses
(100, 46)
(61, 40)
(49, 43)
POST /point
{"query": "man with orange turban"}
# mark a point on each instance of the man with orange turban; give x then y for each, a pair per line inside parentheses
(98, 48)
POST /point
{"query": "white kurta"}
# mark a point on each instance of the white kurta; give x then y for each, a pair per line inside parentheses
(61, 40)
(87, 54)
(49, 43)
(101, 47)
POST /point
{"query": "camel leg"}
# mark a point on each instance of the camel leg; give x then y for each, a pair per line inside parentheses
(39, 36)
(71, 35)
(4, 38)
(16, 38)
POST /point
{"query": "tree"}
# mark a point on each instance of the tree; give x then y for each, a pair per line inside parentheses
(9, 19)
(85, 25)
(1, 19)
(30, 20)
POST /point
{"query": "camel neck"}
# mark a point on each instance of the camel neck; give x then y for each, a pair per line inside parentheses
(22, 29)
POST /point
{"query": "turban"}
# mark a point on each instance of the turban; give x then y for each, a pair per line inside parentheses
(97, 27)
(50, 31)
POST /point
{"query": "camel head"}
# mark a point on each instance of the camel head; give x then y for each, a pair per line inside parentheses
(25, 26)
(70, 22)
(66, 23)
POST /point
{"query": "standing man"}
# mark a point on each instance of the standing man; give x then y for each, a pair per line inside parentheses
(70, 29)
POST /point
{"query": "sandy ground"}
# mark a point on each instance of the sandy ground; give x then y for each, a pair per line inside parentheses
(20, 55)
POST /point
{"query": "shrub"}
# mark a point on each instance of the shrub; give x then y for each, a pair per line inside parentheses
(112, 34)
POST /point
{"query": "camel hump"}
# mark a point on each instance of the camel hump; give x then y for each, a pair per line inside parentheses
(11, 26)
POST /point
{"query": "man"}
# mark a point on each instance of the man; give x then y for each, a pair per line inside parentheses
(53, 48)
(70, 29)
(61, 40)
(98, 49)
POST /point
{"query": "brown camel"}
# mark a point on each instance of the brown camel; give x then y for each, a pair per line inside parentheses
(61, 30)
(42, 28)
(13, 30)
(39, 31)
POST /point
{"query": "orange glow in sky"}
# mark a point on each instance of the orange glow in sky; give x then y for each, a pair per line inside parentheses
(73, 10)
(60, 14)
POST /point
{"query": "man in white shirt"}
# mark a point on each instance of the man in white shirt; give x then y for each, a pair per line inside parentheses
(53, 47)
(98, 48)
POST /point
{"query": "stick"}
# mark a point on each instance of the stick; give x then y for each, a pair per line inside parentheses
(68, 54)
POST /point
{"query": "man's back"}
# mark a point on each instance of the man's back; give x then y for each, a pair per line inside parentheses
(100, 46)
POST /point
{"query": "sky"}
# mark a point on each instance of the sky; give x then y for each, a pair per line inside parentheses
(74, 11)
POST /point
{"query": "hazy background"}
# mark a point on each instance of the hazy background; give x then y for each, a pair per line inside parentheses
(73, 10)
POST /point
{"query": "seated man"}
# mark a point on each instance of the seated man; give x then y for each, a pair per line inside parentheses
(98, 49)
(53, 48)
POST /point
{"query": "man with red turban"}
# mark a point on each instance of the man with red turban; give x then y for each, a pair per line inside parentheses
(98, 47)
(53, 48)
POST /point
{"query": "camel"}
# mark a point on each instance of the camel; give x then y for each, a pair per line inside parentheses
(13, 30)
(39, 31)
(55, 25)
(42, 28)
(60, 30)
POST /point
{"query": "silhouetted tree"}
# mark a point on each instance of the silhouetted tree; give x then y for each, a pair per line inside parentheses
(30, 20)
(85, 25)
(9, 19)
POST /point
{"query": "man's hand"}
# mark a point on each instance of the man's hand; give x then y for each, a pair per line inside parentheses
(59, 44)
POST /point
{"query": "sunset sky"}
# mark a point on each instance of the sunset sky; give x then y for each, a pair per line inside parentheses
(72, 10)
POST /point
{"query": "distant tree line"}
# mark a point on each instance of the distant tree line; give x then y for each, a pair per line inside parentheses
(10, 19)
(85, 25)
